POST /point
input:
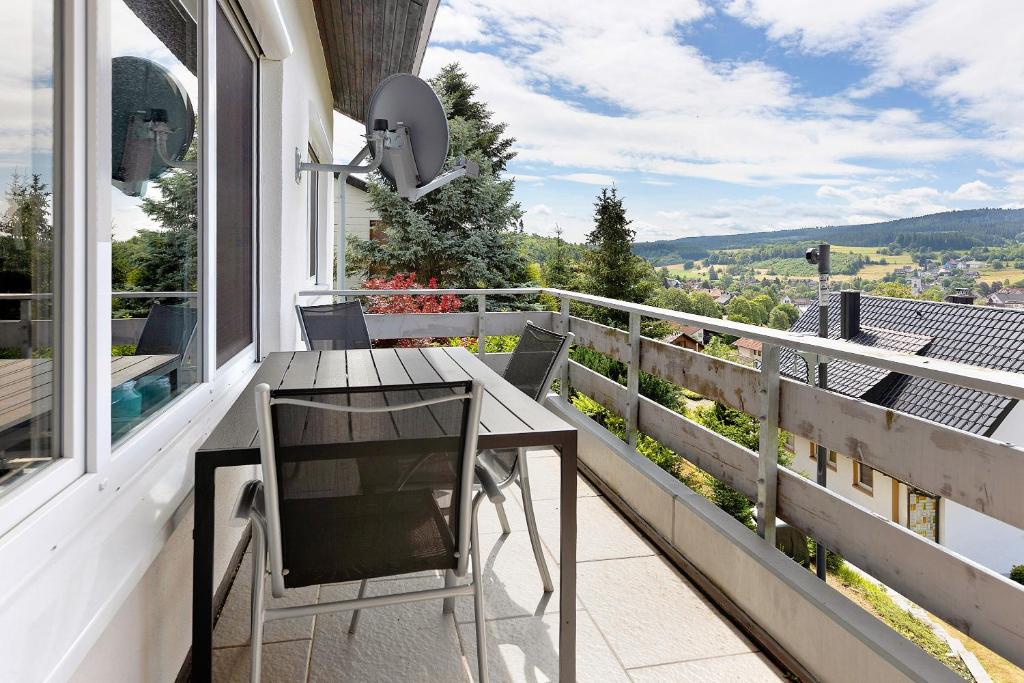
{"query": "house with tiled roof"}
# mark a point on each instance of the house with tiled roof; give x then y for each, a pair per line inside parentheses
(1007, 297)
(749, 350)
(978, 335)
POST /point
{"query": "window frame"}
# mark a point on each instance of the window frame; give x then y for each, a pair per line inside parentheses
(236, 17)
(858, 469)
(71, 35)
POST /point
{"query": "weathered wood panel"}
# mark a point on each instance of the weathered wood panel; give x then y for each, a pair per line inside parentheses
(977, 601)
(980, 473)
(601, 338)
(419, 325)
(611, 395)
(366, 41)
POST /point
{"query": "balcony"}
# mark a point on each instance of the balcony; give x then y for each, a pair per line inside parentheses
(670, 586)
(638, 618)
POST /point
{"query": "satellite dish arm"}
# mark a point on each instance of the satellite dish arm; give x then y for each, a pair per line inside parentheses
(465, 167)
(374, 148)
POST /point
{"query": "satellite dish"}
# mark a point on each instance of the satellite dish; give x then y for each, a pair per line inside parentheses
(152, 123)
(405, 100)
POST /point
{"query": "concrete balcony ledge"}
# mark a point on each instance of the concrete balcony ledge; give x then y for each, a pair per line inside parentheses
(825, 635)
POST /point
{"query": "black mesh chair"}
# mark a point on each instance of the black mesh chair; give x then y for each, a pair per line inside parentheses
(364, 483)
(168, 330)
(333, 327)
(538, 357)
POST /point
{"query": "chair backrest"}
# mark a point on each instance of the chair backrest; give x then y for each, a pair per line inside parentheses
(366, 455)
(168, 330)
(537, 357)
(333, 327)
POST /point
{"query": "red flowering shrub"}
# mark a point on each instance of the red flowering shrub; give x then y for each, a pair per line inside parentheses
(409, 303)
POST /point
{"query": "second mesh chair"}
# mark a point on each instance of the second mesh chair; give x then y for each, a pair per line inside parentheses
(536, 360)
(364, 483)
(333, 327)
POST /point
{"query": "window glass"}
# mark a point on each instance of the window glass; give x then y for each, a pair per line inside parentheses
(865, 476)
(154, 207)
(236, 191)
(30, 362)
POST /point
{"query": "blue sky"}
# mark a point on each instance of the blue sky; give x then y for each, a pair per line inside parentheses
(719, 116)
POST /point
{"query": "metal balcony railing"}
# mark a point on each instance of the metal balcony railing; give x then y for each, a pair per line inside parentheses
(30, 330)
(978, 472)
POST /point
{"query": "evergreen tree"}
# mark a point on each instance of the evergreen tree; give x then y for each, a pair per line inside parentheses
(26, 244)
(611, 268)
(464, 234)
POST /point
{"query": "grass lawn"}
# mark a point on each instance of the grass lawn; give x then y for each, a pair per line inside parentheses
(999, 669)
(875, 600)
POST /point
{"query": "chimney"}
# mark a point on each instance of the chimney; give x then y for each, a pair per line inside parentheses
(849, 313)
(963, 296)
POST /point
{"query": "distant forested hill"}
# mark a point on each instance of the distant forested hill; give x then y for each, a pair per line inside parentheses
(939, 231)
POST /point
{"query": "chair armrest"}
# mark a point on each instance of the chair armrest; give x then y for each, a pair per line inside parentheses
(249, 501)
(488, 484)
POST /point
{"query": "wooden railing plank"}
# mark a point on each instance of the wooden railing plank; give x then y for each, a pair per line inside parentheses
(977, 472)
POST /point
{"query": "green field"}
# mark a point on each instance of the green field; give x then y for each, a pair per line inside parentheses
(798, 268)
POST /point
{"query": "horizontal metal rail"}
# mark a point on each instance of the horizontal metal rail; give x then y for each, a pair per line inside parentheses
(42, 296)
(971, 376)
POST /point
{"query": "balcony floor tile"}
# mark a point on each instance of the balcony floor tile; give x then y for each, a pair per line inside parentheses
(650, 616)
(752, 667)
(637, 617)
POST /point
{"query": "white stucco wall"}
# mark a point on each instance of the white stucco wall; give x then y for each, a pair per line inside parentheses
(297, 111)
(146, 633)
(358, 214)
(988, 541)
(840, 480)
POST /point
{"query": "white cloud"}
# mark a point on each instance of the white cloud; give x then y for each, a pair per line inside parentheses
(540, 210)
(458, 27)
(526, 178)
(820, 25)
(586, 178)
(974, 191)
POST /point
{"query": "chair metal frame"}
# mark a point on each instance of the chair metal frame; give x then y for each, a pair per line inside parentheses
(258, 502)
(520, 472)
(305, 334)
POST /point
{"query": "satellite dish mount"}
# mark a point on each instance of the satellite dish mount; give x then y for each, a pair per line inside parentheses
(406, 139)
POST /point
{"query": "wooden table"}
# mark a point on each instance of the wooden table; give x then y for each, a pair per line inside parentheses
(26, 384)
(508, 418)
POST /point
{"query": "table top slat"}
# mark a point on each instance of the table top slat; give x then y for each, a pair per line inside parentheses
(390, 369)
(494, 416)
(332, 373)
(509, 417)
(301, 372)
(126, 370)
(361, 370)
(9, 374)
(237, 429)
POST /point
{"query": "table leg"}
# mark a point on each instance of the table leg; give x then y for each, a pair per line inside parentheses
(567, 565)
(202, 573)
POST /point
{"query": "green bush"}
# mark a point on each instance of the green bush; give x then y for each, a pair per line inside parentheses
(1017, 574)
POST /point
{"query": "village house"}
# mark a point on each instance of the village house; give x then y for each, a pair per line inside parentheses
(950, 331)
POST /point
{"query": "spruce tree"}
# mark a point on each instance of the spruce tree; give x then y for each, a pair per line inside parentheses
(612, 269)
(466, 233)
